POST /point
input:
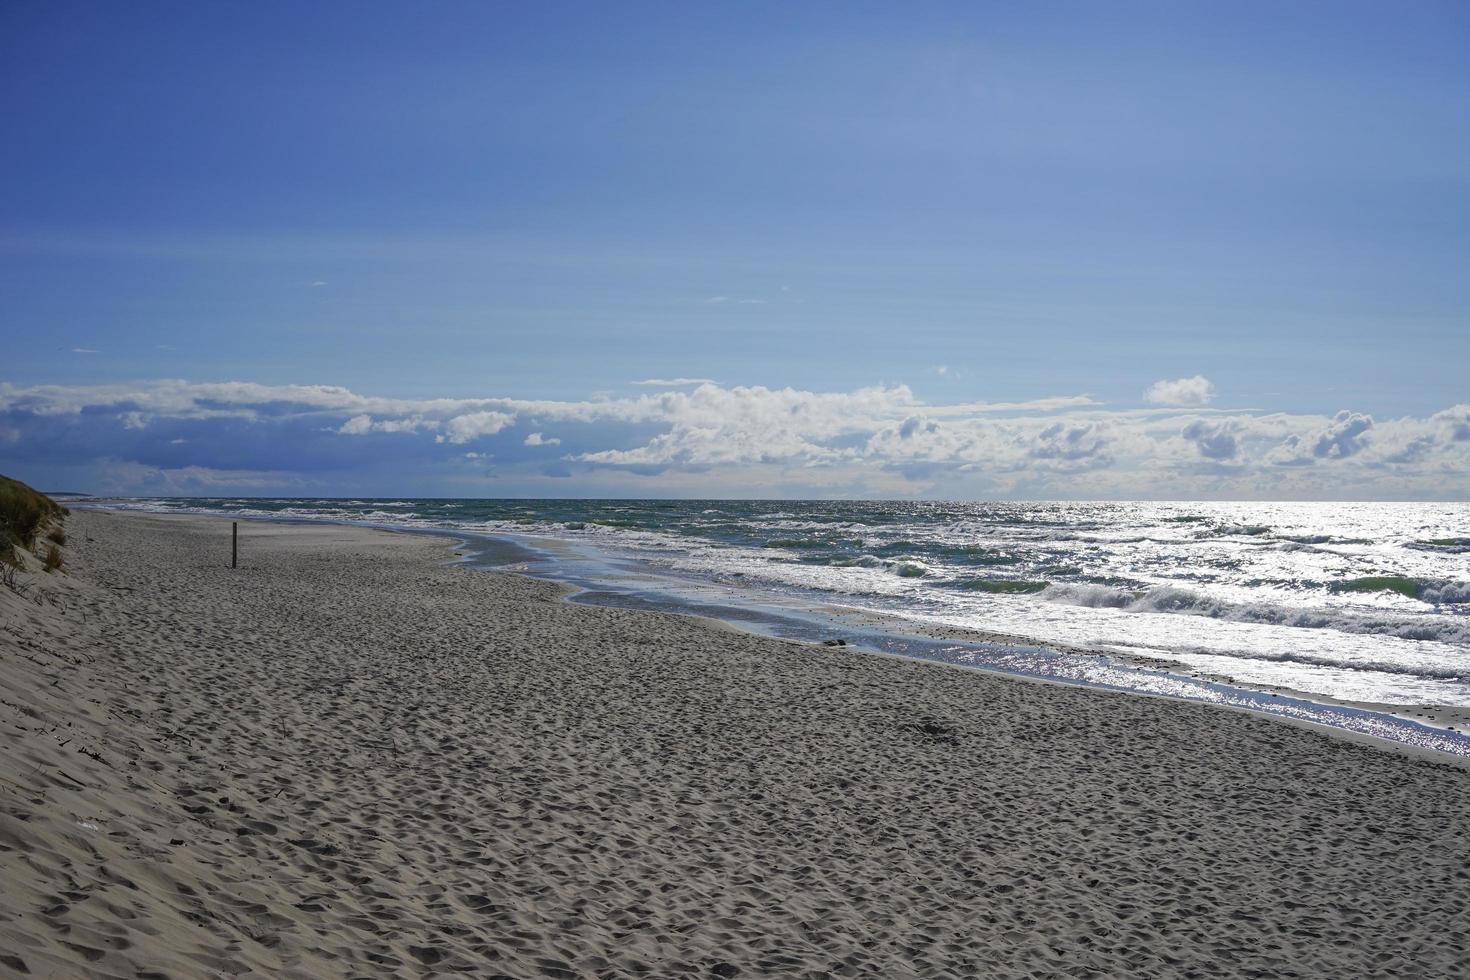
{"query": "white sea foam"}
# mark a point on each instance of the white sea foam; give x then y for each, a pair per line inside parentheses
(1446, 593)
(902, 567)
(1457, 671)
(1174, 599)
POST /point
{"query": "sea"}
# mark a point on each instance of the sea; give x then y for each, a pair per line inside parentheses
(1359, 603)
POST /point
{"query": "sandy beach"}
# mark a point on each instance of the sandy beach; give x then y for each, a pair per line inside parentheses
(348, 758)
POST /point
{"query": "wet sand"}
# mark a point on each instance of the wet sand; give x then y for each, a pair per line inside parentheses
(347, 759)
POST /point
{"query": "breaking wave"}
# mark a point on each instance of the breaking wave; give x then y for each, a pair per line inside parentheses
(1172, 599)
(1429, 671)
(1450, 546)
(902, 567)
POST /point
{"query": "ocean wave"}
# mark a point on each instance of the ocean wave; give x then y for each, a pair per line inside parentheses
(1234, 530)
(1407, 587)
(1322, 539)
(902, 567)
(1432, 592)
(1446, 593)
(1091, 596)
(1307, 542)
(1172, 599)
(1003, 586)
(1448, 546)
(1293, 546)
(1429, 671)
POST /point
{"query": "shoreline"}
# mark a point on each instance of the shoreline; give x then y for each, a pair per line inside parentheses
(1421, 724)
(349, 758)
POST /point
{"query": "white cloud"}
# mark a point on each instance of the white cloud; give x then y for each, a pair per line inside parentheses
(1197, 390)
(361, 425)
(674, 382)
(1035, 405)
(1340, 438)
(474, 425)
(1215, 439)
(357, 425)
(1455, 422)
(745, 439)
(1070, 442)
(124, 476)
(85, 350)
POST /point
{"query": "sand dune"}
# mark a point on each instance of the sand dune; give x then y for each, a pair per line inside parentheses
(346, 759)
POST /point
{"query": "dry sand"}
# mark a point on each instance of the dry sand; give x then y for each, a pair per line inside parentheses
(346, 759)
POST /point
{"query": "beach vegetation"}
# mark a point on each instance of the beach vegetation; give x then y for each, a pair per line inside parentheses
(24, 513)
(10, 577)
(53, 560)
(57, 536)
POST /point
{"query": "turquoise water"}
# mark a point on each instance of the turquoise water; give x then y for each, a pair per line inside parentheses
(1363, 602)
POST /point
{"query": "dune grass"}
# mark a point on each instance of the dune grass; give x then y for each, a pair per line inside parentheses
(24, 514)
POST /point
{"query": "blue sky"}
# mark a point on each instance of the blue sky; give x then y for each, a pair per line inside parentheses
(512, 204)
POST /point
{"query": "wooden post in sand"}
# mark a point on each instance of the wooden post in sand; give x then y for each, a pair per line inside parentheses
(234, 544)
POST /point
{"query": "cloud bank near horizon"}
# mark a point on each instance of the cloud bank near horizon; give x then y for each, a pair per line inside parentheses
(1197, 390)
(181, 437)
